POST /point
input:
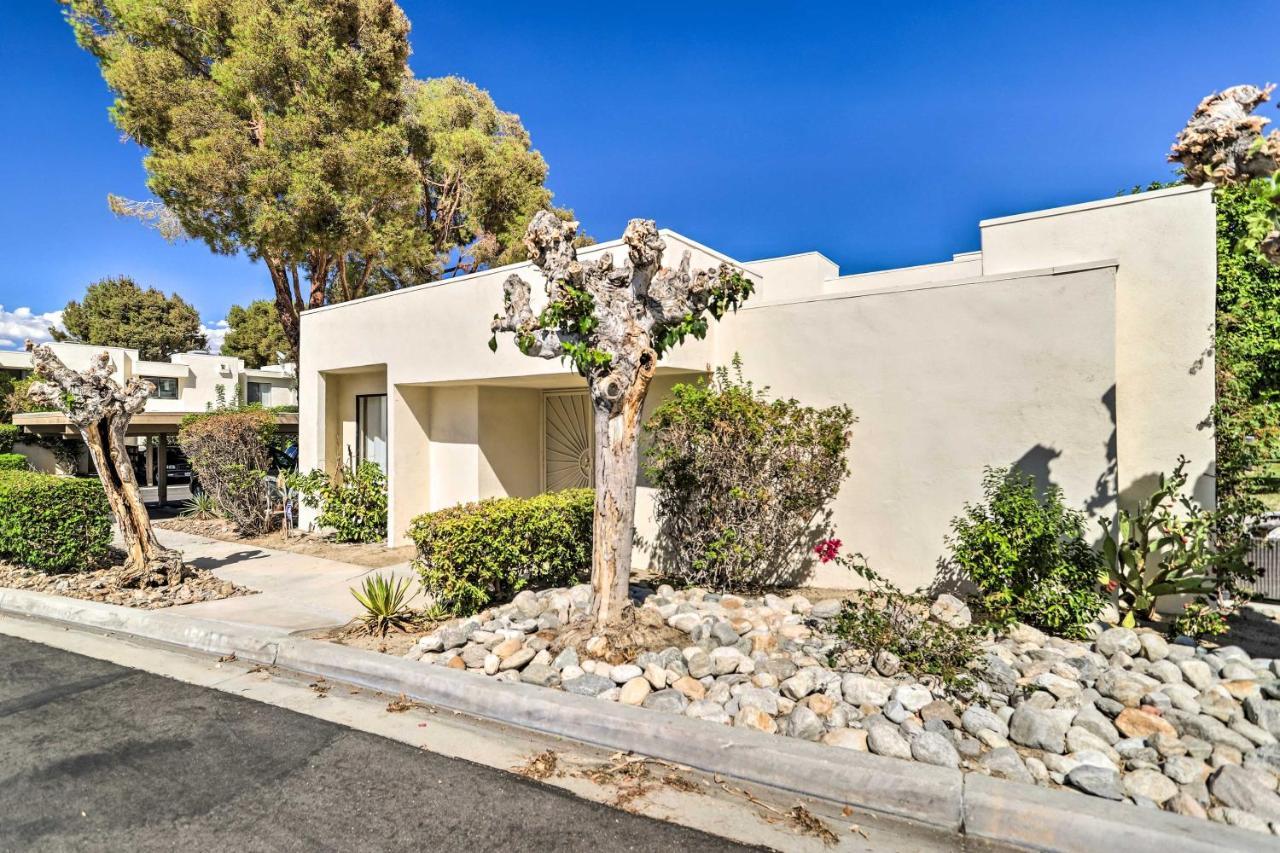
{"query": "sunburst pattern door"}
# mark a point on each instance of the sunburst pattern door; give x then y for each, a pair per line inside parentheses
(566, 440)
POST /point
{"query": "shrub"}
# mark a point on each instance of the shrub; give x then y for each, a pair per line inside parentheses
(53, 523)
(385, 601)
(230, 453)
(740, 479)
(1170, 545)
(353, 504)
(13, 462)
(1027, 556)
(1199, 619)
(8, 437)
(885, 619)
(475, 553)
(893, 621)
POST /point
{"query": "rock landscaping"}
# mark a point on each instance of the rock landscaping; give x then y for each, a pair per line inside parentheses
(1128, 716)
(101, 585)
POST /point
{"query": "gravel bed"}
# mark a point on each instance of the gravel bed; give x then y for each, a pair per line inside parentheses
(1127, 716)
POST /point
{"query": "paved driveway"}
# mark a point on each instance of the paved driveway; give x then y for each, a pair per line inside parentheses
(94, 756)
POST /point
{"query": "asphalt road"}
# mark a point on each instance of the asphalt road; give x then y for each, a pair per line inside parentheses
(95, 756)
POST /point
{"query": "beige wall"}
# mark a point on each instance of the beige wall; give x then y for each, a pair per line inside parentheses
(944, 379)
(510, 429)
(1164, 243)
(1073, 345)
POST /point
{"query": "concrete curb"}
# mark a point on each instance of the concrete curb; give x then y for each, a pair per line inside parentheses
(989, 810)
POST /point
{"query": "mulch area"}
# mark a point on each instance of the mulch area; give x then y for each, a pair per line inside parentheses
(99, 585)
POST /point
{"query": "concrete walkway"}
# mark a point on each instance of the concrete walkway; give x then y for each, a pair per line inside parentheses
(296, 592)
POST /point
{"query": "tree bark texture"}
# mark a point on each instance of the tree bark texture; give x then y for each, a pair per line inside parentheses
(101, 410)
(617, 317)
(1223, 142)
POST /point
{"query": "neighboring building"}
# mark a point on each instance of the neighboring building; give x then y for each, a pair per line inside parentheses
(188, 382)
(1076, 343)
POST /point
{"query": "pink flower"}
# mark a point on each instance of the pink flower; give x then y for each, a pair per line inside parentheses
(827, 550)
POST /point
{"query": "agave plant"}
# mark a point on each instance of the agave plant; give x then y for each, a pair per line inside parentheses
(385, 599)
(200, 505)
(1169, 546)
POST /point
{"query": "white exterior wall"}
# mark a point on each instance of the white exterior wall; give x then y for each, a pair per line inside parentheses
(199, 375)
(1165, 244)
(1046, 349)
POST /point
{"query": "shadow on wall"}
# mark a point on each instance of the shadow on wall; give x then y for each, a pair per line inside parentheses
(1037, 462)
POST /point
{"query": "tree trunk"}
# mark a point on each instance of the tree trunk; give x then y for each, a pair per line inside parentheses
(285, 307)
(101, 410)
(617, 433)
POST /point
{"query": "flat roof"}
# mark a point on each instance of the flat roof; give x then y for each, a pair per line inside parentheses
(143, 423)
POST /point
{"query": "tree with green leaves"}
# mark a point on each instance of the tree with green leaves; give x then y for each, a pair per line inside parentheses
(1246, 349)
(293, 131)
(255, 334)
(613, 324)
(116, 312)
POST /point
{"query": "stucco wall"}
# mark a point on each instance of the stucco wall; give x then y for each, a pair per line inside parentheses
(510, 424)
(1073, 345)
(944, 379)
(1164, 243)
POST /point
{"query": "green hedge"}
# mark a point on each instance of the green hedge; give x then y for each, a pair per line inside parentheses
(13, 462)
(8, 437)
(472, 554)
(53, 523)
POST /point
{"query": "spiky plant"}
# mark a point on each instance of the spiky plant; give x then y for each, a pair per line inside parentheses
(200, 506)
(385, 599)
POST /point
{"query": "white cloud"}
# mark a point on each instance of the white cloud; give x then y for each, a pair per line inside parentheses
(215, 333)
(22, 323)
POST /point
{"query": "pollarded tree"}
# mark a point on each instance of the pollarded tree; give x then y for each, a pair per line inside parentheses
(101, 410)
(613, 324)
(1224, 142)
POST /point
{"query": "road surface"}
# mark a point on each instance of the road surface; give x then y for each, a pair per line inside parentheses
(95, 756)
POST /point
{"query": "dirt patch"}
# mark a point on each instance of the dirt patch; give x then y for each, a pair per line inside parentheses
(394, 643)
(639, 630)
(100, 585)
(1256, 629)
(371, 556)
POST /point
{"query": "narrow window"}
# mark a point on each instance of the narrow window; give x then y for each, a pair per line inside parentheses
(371, 429)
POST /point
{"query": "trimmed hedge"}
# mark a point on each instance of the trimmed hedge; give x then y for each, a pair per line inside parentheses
(13, 462)
(472, 554)
(8, 437)
(54, 524)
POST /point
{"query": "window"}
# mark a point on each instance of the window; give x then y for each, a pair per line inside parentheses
(166, 387)
(257, 392)
(371, 429)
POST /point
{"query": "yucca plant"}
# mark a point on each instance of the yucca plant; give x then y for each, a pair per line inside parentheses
(385, 599)
(200, 506)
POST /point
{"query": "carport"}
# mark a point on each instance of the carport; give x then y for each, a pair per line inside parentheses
(163, 426)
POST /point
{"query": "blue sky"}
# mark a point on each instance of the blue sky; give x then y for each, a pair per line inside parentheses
(875, 133)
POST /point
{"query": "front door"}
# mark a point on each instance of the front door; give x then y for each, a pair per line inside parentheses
(566, 441)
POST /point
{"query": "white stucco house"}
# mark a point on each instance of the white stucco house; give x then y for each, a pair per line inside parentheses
(1075, 343)
(186, 383)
